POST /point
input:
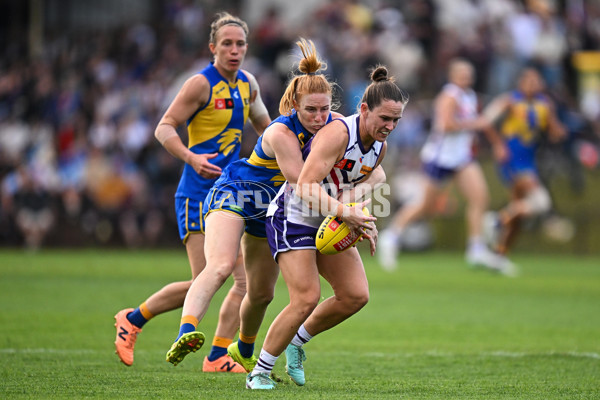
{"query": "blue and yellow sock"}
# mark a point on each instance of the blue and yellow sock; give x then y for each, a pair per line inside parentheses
(219, 348)
(246, 345)
(188, 324)
(140, 315)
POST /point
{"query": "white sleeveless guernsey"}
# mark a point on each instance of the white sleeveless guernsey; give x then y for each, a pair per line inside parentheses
(452, 149)
(346, 173)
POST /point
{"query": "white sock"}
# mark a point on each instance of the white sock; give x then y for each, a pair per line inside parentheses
(476, 244)
(395, 234)
(397, 231)
(265, 363)
(301, 337)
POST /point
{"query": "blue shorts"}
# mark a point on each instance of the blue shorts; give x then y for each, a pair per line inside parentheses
(189, 217)
(246, 199)
(437, 173)
(283, 235)
(521, 160)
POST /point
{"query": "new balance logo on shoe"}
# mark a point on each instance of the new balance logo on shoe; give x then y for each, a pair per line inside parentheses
(227, 366)
(126, 336)
(123, 333)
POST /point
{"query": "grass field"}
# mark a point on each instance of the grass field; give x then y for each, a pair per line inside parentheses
(434, 329)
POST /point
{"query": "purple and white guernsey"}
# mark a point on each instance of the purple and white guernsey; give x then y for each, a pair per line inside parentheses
(452, 150)
(293, 225)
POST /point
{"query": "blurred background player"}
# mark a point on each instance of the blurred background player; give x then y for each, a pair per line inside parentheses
(342, 154)
(525, 114)
(448, 154)
(305, 108)
(215, 104)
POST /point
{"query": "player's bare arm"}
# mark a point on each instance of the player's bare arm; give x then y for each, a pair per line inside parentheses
(259, 116)
(286, 148)
(448, 123)
(328, 147)
(193, 95)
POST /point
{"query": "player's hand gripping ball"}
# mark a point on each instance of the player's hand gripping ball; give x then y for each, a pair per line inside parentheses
(334, 236)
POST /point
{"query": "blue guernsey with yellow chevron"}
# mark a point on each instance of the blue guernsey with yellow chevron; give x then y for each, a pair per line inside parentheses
(247, 186)
(526, 117)
(521, 129)
(216, 128)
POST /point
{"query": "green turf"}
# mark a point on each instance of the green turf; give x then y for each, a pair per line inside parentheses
(434, 329)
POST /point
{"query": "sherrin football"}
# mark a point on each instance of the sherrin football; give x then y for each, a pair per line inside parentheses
(334, 236)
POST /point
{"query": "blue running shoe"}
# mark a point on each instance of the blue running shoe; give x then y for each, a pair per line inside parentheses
(260, 381)
(294, 357)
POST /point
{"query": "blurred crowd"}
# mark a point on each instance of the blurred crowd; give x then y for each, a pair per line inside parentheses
(79, 164)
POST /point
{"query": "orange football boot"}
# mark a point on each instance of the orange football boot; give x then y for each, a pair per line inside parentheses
(126, 336)
(222, 364)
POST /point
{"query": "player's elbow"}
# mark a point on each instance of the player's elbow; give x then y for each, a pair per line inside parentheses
(164, 132)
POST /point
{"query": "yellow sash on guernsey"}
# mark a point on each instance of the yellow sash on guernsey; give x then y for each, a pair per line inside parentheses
(215, 119)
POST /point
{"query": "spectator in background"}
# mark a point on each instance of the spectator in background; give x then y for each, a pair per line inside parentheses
(94, 77)
(270, 37)
(550, 43)
(33, 208)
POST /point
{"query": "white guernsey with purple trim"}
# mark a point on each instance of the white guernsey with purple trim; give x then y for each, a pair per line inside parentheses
(446, 153)
(291, 224)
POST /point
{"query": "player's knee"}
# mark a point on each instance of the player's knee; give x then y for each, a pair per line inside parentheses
(222, 270)
(425, 209)
(238, 289)
(304, 305)
(357, 301)
(480, 202)
(538, 201)
(262, 297)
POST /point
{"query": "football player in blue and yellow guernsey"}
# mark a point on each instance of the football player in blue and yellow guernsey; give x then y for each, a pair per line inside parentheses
(215, 105)
(524, 114)
(235, 208)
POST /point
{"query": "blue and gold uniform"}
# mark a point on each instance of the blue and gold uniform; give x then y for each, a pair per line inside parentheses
(214, 128)
(521, 129)
(247, 186)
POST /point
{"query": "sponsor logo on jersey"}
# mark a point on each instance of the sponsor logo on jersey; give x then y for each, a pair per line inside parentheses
(345, 164)
(223, 104)
(365, 169)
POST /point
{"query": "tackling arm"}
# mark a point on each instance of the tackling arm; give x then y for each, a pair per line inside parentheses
(328, 147)
(286, 148)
